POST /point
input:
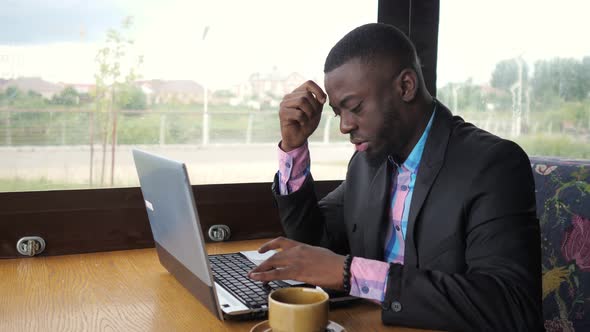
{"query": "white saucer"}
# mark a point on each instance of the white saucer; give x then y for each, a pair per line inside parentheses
(264, 327)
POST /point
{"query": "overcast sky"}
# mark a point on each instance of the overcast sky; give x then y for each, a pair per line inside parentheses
(58, 40)
(30, 22)
(475, 34)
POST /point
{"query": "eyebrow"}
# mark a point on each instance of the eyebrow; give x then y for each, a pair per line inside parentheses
(343, 102)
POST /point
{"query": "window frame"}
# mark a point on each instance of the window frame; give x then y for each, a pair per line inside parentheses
(91, 220)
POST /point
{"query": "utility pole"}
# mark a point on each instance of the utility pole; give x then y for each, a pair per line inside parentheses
(205, 140)
(517, 100)
(455, 91)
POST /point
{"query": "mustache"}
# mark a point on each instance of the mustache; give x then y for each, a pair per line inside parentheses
(357, 139)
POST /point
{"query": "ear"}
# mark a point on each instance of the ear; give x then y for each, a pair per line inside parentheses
(408, 85)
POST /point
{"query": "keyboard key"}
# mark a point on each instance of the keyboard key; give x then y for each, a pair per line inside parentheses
(230, 271)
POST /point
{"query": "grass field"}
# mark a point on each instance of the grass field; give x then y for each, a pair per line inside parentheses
(38, 149)
(19, 184)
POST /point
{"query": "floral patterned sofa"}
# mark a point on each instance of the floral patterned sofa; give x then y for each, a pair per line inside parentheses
(563, 208)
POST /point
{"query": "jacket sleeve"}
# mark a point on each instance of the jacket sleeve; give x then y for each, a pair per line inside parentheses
(500, 289)
(306, 220)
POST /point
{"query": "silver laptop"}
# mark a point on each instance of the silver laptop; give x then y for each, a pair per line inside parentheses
(219, 282)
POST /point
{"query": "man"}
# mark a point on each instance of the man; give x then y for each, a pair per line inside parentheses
(437, 215)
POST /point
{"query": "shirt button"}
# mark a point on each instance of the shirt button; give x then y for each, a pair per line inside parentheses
(287, 165)
(397, 228)
(365, 289)
(404, 187)
(396, 306)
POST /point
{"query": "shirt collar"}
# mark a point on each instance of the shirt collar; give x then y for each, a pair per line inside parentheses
(413, 161)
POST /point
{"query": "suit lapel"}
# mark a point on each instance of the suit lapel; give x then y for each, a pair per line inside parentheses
(377, 202)
(430, 164)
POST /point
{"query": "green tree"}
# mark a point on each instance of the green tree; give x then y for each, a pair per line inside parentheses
(67, 97)
(17, 98)
(545, 83)
(110, 82)
(131, 97)
(462, 96)
(571, 86)
(506, 73)
(564, 78)
(10, 95)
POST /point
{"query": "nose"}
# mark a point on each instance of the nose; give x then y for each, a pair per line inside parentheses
(347, 123)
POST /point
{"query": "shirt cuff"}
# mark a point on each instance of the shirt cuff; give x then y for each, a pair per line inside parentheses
(368, 278)
(293, 168)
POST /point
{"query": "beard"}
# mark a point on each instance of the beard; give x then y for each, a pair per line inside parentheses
(377, 156)
(388, 139)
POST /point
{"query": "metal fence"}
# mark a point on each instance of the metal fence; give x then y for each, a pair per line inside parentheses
(84, 127)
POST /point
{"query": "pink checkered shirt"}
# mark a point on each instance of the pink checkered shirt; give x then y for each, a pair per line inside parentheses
(368, 277)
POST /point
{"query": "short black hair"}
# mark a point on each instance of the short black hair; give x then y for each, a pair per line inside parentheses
(370, 41)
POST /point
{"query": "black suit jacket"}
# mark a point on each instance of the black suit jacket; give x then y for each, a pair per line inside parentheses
(472, 250)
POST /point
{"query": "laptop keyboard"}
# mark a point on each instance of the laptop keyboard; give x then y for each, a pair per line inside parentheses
(231, 270)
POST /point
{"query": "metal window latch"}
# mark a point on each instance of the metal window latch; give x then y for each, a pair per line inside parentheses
(219, 233)
(30, 245)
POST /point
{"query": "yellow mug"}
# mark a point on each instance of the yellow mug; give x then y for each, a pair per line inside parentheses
(298, 309)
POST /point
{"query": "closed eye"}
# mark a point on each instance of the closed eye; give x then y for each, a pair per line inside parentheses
(357, 108)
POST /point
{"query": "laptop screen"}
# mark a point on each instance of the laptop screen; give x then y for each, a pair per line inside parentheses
(171, 210)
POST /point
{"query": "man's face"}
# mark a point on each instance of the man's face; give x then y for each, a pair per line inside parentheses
(366, 97)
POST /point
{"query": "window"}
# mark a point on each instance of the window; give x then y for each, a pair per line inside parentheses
(519, 69)
(199, 81)
(49, 129)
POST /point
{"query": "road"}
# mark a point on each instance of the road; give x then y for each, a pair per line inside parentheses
(211, 164)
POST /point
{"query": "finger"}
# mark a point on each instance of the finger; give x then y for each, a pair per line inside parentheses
(312, 87)
(294, 115)
(275, 274)
(275, 261)
(300, 97)
(263, 267)
(277, 243)
(263, 248)
(307, 103)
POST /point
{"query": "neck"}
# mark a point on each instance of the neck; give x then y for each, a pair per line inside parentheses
(421, 112)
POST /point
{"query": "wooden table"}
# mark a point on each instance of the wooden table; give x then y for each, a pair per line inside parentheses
(124, 291)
